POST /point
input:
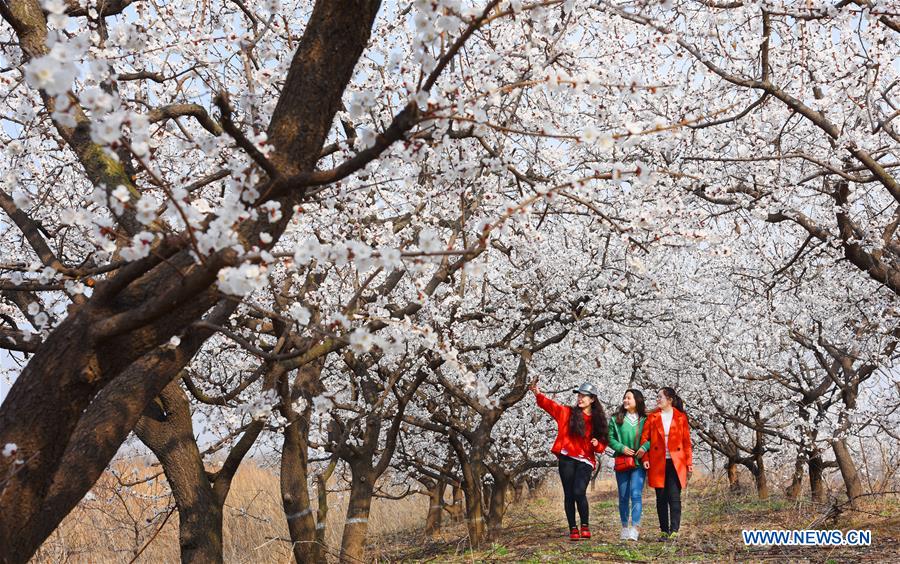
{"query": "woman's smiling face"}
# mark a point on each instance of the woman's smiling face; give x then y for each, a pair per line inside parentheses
(662, 400)
(584, 400)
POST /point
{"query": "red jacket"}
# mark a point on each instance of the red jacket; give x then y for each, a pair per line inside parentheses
(566, 444)
(679, 447)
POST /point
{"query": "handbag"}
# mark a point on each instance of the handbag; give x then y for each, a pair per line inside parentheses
(624, 463)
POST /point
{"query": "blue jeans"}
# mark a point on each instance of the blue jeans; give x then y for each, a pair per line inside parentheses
(631, 489)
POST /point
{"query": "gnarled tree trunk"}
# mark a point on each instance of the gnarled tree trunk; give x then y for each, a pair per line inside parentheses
(474, 503)
(167, 430)
(497, 507)
(103, 426)
(845, 463)
(762, 482)
(731, 470)
(456, 509)
(150, 300)
(353, 541)
(816, 478)
(295, 491)
(435, 489)
(793, 490)
(759, 450)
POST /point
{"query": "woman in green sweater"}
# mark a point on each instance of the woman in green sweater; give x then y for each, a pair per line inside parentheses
(624, 434)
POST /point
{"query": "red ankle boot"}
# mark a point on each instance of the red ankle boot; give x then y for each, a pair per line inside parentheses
(574, 534)
(585, 532)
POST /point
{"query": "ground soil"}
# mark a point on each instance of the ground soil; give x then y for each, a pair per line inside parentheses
(711, 532)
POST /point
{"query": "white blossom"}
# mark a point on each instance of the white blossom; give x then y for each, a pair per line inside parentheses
(242, 280)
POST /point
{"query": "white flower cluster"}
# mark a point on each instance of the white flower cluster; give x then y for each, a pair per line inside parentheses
(359, 253)
(360, 341)
(107, 129)
(10, 449)
(56, 12)
(140, 246)
(272, 210)
(242, 280)
(51, 73)
(55, 72)
(299, 313)
(260, 407)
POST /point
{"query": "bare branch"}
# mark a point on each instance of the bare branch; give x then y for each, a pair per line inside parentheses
(175, 111)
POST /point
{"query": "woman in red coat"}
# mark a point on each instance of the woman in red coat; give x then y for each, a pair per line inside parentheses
(670, 460)
(582, 431)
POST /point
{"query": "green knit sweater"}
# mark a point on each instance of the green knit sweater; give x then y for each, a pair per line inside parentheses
(626, 435)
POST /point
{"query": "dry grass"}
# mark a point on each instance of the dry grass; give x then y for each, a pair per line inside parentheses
(118, 522)
(114, 523)
(711, 531)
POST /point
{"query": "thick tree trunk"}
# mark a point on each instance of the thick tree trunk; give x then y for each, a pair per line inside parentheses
(150, 300)
(435, 507)
(100, 431)
(519, 491)
(473, 503)
(794, 489)
(497, 508)
(731, 470)
(474, 519)
(759, 453)
(762, 482)
(83, 355)
(816, 478)
(295, 491)
(356, 526)
(322, 509)
(166, 429)
(473, 471)
(848, 470)
(456, 508)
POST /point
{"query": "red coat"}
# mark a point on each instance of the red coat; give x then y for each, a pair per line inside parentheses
(679, 447)
(573, 445)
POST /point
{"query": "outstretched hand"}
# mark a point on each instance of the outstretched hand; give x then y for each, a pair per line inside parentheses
(534, 387)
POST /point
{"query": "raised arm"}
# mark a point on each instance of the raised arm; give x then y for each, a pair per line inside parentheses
(554, 409)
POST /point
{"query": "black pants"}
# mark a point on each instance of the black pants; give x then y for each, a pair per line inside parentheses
(575, 476)
(668, 501)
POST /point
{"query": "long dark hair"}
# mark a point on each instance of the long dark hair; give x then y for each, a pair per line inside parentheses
(639, 405)
(677, 403)
(599, 425)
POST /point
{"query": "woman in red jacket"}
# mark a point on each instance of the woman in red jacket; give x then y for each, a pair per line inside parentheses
(670, 461)
(582, 432)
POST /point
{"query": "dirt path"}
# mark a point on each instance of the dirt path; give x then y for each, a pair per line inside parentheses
(711, 532)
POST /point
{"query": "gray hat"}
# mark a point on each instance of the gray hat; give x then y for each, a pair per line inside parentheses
(587, 388)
